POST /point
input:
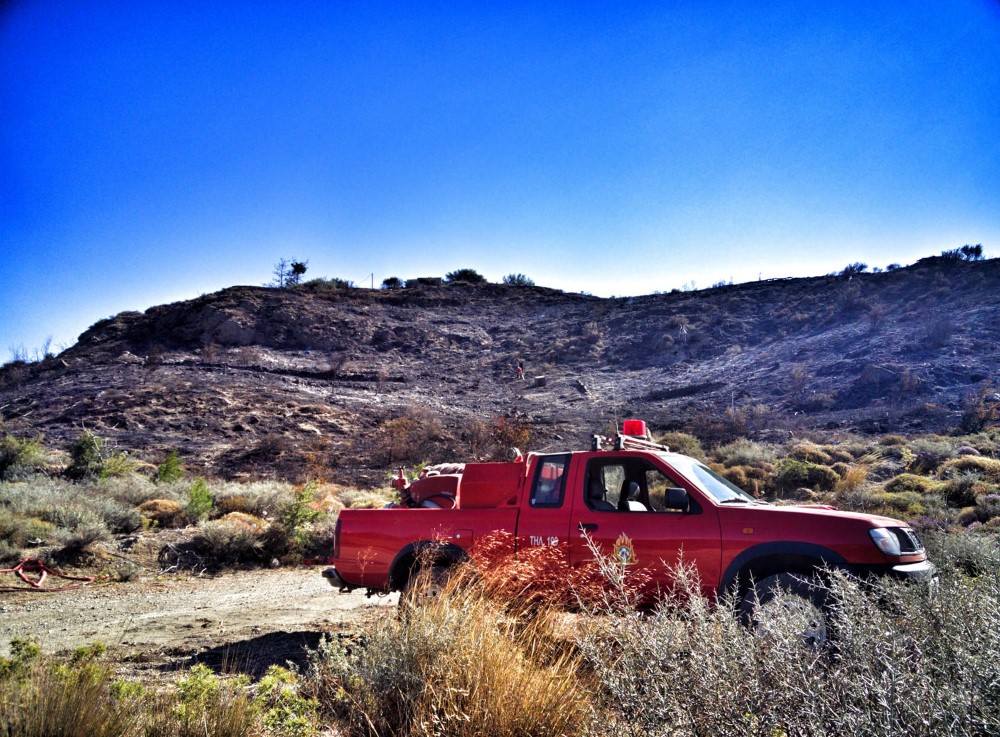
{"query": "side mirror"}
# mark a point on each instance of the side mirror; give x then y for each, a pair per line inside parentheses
(677, 498)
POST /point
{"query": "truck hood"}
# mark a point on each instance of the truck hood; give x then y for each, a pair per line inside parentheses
(824, 510)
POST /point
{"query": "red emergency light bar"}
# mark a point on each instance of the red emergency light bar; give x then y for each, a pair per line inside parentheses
(634, 436)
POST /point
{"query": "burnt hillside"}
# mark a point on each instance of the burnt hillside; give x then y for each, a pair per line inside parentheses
(320, 379)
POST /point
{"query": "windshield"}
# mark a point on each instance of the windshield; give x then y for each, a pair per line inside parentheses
(719, 488)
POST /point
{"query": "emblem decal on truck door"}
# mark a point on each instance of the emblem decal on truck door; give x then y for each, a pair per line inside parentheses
(624, 551)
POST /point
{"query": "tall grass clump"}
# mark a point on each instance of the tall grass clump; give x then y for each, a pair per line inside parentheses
(903, 662)
(80, 696)
(461, 664)
(41, 698)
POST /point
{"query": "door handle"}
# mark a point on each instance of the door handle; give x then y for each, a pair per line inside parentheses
(588, 526)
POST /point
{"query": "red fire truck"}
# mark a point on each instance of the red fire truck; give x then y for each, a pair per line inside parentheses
(632, 498)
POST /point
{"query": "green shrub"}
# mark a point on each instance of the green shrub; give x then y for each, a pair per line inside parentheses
(118, 465)
(285, 711)
(17, 530)
(912, 482)
(87, 455)
(200, 500)
(838, 454)
(20, 458)
(962, 490)
(892, 439)
(467, 276)
(793, 474)
(171, 469)
(929, 454)
(987, 507)
(987, 468)
(518, 280)
(682, 442)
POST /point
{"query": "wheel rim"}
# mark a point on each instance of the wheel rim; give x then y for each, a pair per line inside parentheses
(788, 612)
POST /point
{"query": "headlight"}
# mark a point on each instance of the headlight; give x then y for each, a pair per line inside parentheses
(885, 541)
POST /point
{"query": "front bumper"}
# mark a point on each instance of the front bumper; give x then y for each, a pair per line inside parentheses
(921, 572)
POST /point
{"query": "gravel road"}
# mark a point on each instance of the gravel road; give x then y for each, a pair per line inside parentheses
(241, 621)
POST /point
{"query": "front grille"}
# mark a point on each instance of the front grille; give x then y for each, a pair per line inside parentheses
(908, 541)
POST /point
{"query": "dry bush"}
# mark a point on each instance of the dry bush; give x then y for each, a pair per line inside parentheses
(258, 498)
(492, 440)
(414, 437)
(164, 513)
(366, 498)
(810, 453)
(241, 519)
(461, 665)
(230, 541)
(854, 475)
(744, 452)
(691, 669)
(542, 575)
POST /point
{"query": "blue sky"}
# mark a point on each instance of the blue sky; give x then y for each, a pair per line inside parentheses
(155, 151)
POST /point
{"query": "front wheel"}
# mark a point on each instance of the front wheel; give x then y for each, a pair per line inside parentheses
(790, 601)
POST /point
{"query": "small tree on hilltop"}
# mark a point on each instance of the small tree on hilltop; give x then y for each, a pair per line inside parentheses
(467, 276)
(392, 282)
(298, 270)
(855, 268)
(518, 280)
(972, 253)
(288, 273)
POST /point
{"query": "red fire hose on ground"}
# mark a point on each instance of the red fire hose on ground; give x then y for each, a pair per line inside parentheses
(33, 572)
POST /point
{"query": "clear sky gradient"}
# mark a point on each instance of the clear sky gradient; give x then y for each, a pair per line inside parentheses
(155, 151)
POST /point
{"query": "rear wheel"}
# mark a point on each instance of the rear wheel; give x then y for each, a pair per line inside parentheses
(424, 586)
(796, 601)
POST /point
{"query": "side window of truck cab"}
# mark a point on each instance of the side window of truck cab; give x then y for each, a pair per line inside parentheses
(627, 485)
(549, 486)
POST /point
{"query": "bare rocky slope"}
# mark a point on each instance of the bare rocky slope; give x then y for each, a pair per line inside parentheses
(343, 383)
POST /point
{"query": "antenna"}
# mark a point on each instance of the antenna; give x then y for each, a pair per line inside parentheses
(614, 404)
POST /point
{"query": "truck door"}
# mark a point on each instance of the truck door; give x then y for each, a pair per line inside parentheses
(619, 504)
(544, 520)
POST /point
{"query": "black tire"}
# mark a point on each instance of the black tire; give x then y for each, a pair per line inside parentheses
(424, 586)
(805, 598)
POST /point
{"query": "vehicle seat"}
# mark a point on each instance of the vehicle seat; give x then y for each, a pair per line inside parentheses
(628, 501)
(595, 496)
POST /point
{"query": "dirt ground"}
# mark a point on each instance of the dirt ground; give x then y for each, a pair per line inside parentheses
(234, 622)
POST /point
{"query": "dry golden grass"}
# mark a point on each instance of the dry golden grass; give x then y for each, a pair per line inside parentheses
(462, 664)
